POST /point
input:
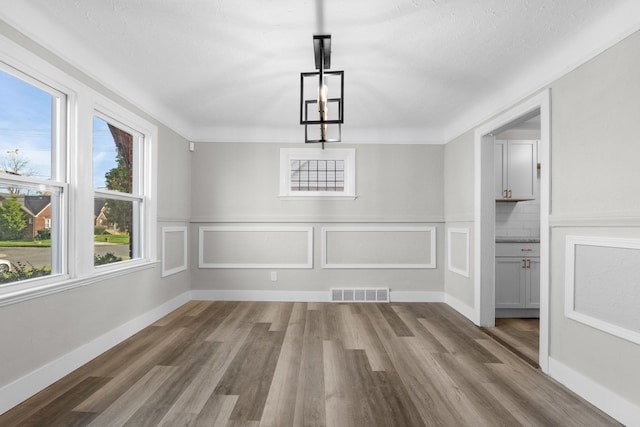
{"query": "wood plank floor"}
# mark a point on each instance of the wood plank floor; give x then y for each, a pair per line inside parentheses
(307, 364)
(522, 336)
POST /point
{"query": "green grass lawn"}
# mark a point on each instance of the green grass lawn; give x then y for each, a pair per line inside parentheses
(112, 238)
(25, 243)
(105, 238)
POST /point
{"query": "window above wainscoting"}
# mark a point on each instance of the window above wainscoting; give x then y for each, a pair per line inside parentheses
(315, 174)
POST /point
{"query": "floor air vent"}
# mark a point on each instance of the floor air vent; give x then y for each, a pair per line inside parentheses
(359, 294)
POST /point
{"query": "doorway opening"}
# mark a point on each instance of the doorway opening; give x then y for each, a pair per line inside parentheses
(512, 224)
(517, 235)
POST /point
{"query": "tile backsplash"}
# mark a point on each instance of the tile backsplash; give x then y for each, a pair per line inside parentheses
(521, 219)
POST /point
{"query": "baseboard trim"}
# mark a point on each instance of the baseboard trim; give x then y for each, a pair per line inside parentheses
(614, 405)
(303, 296)
(416, 296)
(462, 308)
(267, 296)
(23, 388)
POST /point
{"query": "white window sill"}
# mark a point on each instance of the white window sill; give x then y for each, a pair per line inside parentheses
(318, 197)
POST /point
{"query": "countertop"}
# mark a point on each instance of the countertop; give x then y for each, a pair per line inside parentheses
(517, 240)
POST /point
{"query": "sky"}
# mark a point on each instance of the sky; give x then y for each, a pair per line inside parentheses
(104, 152)
(25, 124)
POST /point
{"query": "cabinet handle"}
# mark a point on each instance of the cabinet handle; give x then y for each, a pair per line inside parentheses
(526, 250)
(509, 194)
(528, 263)
(524, 263)
(504, 192)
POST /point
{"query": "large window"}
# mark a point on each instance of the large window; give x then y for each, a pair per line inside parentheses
(62, 215)
(32, 179)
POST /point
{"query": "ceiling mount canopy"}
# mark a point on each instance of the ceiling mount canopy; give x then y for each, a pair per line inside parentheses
(323, 114)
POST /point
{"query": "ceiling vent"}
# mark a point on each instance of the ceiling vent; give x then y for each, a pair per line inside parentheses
(359, 294)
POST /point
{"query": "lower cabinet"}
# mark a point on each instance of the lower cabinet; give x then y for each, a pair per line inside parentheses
(517, 278)
(532, 295)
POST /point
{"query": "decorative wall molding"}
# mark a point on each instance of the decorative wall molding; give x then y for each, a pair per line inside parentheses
(321, 219)
(463, 270)
(571, 271)
(14, 393)
(255, 229)
(449, 218)
(174, 220)
(601, 219)
(616, 406)
(183, 230)
(429, 263)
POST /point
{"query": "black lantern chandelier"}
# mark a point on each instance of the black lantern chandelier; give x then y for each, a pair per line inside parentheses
(322, 115)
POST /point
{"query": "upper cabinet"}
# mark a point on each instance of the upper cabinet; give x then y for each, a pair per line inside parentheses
(515, 170)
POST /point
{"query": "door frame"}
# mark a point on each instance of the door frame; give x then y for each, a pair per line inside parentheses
(484, 214)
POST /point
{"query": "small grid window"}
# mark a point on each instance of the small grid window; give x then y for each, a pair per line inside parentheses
(317, 175)
(314, 173)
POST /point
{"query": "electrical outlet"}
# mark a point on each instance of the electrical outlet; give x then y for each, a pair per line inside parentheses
(274, 276)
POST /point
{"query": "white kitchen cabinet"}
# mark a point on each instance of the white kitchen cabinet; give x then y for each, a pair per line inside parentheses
(517, 276)
(515, 169)
(532, 295)
(510, 283)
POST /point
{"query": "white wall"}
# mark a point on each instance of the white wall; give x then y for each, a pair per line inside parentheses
(595, 176)
(240, 182)
(458, 210)
(396, 185)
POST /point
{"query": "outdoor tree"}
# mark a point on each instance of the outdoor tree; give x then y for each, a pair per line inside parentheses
(15, 163)
(119, 212)
(119, 178)
(12, 221)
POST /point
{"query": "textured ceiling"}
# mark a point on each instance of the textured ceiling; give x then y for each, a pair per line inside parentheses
(415, 71)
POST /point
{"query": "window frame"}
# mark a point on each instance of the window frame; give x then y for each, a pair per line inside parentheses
(143, 185)
(135, 196)
(57, 182)
(72, 160)
(348, 155)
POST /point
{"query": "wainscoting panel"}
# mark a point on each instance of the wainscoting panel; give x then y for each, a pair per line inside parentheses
(458, 250)
(174, 250)
(255, 247)
(379, 247)
(603, 284)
